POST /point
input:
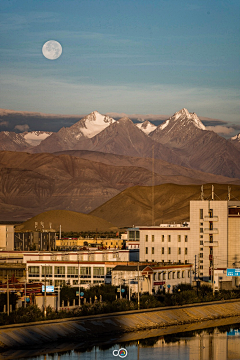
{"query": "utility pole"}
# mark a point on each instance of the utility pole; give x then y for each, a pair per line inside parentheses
(120, 285)
(138, 287)
(195, 275)
(129, 290)
(25, 291)
(213, 275)
(79, 279)
(153, 183)
(45, 293)
(58, 298)
(7, 296)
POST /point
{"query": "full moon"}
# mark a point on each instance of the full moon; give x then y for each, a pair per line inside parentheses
(52, 50)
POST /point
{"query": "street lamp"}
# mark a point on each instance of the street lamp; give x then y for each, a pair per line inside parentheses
(79, 280)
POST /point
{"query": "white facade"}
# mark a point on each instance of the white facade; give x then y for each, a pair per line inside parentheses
(84, 267)
(7, 237)
(165, 244)
(210, 240)
(152, 277)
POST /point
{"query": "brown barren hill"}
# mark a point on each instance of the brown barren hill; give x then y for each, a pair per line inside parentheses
(69, 221)
(134, 206)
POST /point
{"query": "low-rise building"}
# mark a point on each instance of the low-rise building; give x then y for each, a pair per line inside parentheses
(152, 277)
(103, 243)
(35, 240)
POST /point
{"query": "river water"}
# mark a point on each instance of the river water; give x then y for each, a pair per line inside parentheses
(211, 343)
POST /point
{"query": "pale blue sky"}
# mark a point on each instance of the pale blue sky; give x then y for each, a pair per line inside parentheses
(131, 56)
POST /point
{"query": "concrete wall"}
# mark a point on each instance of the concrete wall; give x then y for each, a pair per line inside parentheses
(93, 327)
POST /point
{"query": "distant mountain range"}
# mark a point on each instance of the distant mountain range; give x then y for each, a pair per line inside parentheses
(182, 140)
(82, 166)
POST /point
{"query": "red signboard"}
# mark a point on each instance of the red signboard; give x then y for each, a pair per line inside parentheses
(159, 283)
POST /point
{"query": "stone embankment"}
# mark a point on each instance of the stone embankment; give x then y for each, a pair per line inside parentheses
(90, 327)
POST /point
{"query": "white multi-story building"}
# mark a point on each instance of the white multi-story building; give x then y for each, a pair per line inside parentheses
(84, 267)
(210, 240)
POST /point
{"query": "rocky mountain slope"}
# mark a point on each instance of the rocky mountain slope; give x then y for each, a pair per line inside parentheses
(171, 203)
(34, 183)
(69, 138)
(198, 148)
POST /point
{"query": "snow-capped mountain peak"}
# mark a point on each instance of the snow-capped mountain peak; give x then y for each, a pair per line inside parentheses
(34, 138)
(236, 137)
(183, 118)
(146, 127)
(92, 124)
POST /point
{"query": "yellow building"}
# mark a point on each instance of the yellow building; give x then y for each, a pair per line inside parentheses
(86, 242)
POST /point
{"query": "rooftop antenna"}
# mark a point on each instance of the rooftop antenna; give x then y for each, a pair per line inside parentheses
(229, 193)
(202, 193)
(36, 225)
(153, 186)
(212, 192)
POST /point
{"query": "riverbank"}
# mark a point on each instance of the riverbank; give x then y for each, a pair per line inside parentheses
(90, 327)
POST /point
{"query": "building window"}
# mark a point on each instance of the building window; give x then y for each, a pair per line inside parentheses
(201, 255)
(59, 270)
(169, 250)
(164, 276)
(47, 270)
(98, 271)
(183, 274)
(189, 273)
(179, 251)
(154, 276)
(152, 250)
(169, 275)
(211, 226)
(201, 236)
(211, 238)
(185, 251)
(173, 275)
(186, 238)
(201, 213)
(146, 238)
(159, 276)
(201, 261)
(146, 250)
(210, 213)
(34, 270)
(201, 267)
(152, 238)
(85, 271)
(201, 242)
(201, 230)
(178, 274)
(162, 238)
(179, 238)
(162, 250)
(169, 238)
(72, 270)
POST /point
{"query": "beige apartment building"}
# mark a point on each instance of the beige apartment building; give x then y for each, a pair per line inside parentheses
(210, 240)
(6, 237)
